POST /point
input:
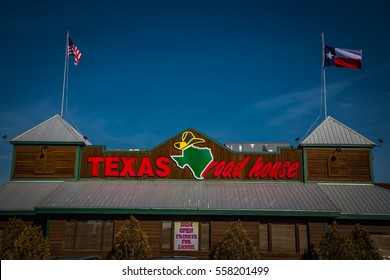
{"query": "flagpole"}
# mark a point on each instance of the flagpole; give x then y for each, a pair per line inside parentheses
(323, 74)
(65, 72)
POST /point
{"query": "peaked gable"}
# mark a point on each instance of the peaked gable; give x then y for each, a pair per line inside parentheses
(53, 130)
(333, 132)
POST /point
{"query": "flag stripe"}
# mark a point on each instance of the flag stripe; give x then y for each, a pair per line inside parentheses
(346, 58)
(73, 50)
(357, 54)
(348, 63)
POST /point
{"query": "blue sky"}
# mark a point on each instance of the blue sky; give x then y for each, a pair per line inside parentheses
(236, 70)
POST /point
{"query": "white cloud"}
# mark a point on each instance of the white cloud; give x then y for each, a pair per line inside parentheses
(296, 104)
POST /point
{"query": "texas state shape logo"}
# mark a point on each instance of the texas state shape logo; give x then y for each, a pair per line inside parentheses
(195, 158)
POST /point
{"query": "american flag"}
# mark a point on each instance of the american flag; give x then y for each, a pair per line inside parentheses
(73, 50)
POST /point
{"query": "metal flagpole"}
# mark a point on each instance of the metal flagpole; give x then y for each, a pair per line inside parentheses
(65, 73)
(323, 74)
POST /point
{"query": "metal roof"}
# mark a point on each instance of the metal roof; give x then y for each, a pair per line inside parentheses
(53, 130)
(188, 195)
(359, 199)
(24, 196)
(333, 132)
(197, 197)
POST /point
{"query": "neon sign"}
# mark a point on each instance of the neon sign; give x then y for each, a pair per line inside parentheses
(199, 160)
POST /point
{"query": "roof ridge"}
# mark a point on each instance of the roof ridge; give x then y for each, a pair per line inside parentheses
(33, 128)
(331, 124)
(55, 129)
(351, 130)
(74, 131)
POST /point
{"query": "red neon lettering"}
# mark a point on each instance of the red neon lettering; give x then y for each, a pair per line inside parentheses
(111, 167)
(274, 170)
(227, 171)
(127, 167)
(145, 168)
(230, 170)
(95, 165)
(277, 170)
(209, 167)
(283, 171)
(256, 168)
(293, 170)
(265, 170)
(218, 170)
(162, 165)
(237, 169)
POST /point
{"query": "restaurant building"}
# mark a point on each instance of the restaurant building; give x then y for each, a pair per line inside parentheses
(186, 191)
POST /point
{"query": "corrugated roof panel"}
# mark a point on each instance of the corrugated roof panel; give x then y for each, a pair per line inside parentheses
(218, 195)
(333, 132)
(359, 199)
(55, 129)
(195, 195)
(24, 196)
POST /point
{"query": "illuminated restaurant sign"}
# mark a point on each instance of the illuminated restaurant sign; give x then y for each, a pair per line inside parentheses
(161, 168)
(200, 161)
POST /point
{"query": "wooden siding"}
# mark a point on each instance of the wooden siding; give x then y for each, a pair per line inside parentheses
(57, 237)
(347, 228)
(220, 154)
(353, 165)
(316, 232)
(54, 162)
(153, 231)
(303, 233)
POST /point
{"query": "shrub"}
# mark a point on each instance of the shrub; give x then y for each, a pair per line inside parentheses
(335, 245)
(131, 242)
(357, 245)
(235, 246)
(364, 245)
(21, 242)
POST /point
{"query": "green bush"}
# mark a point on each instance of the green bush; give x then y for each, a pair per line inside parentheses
(235, 246)
(357, 245)
(21, 242)
(364, 246)
(131, 242)
(335, 245)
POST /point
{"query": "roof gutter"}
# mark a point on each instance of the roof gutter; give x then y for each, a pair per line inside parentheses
(207, 212)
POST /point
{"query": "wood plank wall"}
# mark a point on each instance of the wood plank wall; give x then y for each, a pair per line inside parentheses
(54, 162)
(57, 237)
(305, 233)
(316, 232)
(353, 165)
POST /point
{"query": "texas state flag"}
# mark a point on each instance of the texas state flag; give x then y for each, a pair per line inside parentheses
(342, 58)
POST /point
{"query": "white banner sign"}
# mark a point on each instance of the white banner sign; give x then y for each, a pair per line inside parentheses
(186, 236)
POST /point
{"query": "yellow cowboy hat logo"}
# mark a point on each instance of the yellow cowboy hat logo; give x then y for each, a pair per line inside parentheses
(188, 139)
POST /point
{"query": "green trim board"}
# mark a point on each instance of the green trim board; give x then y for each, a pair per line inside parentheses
(17, 213)
(267, 213)
(260, 213)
